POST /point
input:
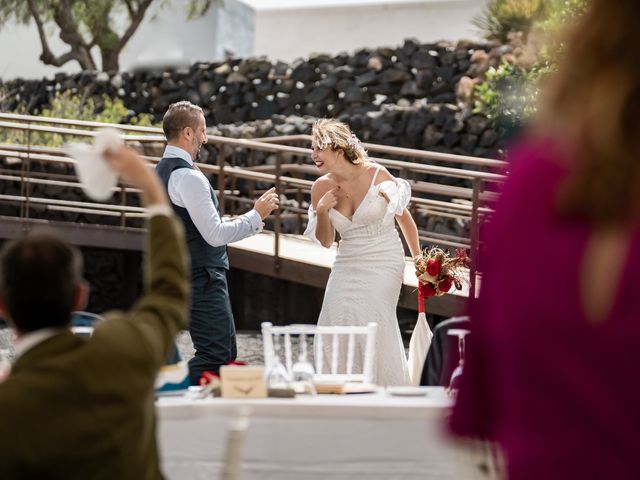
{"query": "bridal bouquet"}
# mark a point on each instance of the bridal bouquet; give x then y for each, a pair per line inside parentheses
(437, 272)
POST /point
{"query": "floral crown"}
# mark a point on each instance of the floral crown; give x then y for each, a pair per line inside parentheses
(354, 142)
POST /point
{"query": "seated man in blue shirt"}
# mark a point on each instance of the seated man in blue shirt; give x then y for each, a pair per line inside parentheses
(193, 199)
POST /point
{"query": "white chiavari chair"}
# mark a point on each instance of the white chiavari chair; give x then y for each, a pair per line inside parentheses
(328, 342)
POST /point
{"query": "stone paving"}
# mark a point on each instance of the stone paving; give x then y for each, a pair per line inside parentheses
(6, 343)
(249, 345)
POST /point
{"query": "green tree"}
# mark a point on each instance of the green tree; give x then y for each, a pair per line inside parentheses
(84, 24)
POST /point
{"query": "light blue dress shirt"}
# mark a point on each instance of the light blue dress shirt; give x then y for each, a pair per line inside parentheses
(190, 189)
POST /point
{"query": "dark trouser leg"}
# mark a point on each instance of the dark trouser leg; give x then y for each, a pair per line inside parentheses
(211, 324)
(174, 355)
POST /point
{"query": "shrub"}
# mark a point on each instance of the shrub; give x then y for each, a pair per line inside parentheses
(509, 93)
(507, 97)
(74, 106)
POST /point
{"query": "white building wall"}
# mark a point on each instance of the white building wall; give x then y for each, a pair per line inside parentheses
(278, 29)
(288, 33)
(235, 29)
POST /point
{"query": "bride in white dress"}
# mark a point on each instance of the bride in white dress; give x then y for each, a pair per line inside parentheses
(362, 201)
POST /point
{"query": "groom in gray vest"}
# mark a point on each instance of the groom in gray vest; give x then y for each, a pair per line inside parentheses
(211, 321)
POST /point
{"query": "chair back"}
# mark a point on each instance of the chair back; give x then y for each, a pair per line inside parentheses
(84, 319)
(82, 323)
(327, 338)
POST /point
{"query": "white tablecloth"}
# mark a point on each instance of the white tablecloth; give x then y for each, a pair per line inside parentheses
(372, 436)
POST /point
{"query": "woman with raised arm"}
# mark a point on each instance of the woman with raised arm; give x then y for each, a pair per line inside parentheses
(550, 372)
(362, 201)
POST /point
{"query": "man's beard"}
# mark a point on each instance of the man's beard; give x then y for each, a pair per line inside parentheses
(196, 151)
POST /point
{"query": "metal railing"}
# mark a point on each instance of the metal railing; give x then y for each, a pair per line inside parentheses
(418, 155)
(243, 168)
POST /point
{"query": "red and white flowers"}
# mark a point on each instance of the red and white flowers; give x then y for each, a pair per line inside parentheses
(437, 272)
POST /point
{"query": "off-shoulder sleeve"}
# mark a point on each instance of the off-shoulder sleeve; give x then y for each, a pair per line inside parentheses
(398, 192)
(310, 231)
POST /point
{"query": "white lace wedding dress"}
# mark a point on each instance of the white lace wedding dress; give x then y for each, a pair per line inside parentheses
(365, 281)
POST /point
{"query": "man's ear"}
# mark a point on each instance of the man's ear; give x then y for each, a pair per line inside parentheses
(187, 133)
(81, 296)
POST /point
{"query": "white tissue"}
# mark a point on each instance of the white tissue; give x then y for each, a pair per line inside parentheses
(96, 176)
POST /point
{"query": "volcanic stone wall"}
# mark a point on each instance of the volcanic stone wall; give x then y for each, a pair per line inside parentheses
(413, 96)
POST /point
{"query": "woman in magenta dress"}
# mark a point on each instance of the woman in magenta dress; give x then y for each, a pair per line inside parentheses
(552, 373)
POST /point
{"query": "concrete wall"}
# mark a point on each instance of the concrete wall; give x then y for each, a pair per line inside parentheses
(168, 39)
(235, 32)
(288, 33)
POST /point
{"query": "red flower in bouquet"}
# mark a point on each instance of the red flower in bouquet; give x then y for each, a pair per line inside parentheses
(445, 285)
(462, 257)
(434, 267)
(427, 290)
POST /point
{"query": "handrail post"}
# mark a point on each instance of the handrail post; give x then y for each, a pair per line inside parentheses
(123, 204)
(299, 200)
(276, 226)
(23, 170)
(475, 236)
(221, 179)
(27, 183)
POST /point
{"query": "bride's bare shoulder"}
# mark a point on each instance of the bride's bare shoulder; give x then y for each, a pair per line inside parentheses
(383, 173)
(321, 186)
(324, 182)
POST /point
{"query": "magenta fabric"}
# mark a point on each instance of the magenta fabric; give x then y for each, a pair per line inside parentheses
(561, 395)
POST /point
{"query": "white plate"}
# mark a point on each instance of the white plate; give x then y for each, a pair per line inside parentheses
(408, 391)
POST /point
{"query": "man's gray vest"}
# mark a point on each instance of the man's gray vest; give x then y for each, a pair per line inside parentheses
(202, 254)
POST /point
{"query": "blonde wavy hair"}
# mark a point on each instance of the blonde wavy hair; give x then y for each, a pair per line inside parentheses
(594, 99)
(328, 132)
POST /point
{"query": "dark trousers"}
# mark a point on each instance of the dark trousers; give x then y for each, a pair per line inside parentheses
(211, 324)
